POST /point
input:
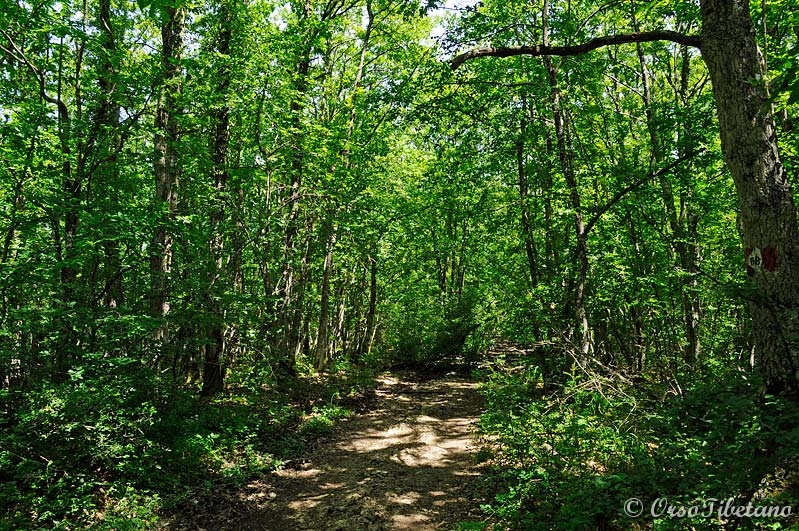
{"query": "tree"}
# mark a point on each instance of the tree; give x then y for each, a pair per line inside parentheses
(213, 374)
(166, 163)
(767, 219)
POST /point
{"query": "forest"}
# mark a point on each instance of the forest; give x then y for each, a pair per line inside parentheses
(226, 224)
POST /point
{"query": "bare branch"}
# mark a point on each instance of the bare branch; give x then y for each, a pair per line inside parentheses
(579, 49)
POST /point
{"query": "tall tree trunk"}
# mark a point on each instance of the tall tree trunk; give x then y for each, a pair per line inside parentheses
(580, 316)
(213, 375)
(289, 312)
(71, 189)
(765, 194)
(340, 333)
(106, 133)
(524, 190)
(365, 345)
(551, 262)
(689, 252)
(166, 167)
(680, 224)
(322, 354)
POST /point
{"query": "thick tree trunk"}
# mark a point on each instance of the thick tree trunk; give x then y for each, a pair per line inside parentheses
(765, 195)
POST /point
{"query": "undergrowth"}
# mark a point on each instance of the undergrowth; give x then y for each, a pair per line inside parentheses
(116, 446)
(571, 456)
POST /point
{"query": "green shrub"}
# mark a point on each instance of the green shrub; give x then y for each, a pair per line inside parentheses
(569, 460)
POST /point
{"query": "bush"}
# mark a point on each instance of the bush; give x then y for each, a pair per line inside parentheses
(569, 460)
(116, 445)
(438, 340)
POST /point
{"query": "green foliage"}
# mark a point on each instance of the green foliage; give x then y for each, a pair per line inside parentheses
(322, 420)
(339, 195)
(570, 459)
(116, 439)
(448, 339)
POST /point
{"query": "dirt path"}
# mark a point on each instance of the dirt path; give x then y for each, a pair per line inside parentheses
(407, 464)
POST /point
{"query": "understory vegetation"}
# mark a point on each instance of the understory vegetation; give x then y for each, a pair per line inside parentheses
(120, 447)
(220, 220)
(569, 455)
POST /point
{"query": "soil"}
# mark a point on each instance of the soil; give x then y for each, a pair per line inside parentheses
(405, 464)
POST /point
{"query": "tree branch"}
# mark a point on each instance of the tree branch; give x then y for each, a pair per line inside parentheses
(579, 49)
(627, 189)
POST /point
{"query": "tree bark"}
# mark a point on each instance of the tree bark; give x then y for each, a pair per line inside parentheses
(365, 344)
(288, 313)
(524, 190)
(680, 224)
(107, 125)
(767, 213)
(166, 168)
(322, 354)
(213, 374)
(582, 338)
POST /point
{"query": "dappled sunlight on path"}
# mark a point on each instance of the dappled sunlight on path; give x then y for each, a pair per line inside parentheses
(405, 465)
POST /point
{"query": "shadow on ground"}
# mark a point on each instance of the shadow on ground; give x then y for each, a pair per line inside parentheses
(405, 465)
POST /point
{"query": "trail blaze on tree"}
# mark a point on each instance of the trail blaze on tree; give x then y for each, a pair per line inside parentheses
(749, 143)
(220, 220)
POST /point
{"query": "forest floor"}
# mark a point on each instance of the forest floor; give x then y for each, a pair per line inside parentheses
(406, 463)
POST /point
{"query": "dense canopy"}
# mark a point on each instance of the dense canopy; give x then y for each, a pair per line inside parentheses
(216, 216)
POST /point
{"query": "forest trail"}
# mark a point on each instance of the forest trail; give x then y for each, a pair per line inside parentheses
(406, 464)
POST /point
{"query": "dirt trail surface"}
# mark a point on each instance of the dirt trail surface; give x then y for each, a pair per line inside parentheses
(406, 464)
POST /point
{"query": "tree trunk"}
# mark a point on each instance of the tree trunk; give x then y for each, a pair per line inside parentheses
(166, 168)
(289, 310)
(365, 346)
(580, 316)
(213, 375)
(527, 234)
(765, 195)
(682, 225)
(581, 242)
(524, 190)
(107, 125)
(71, 188)
(322, 354)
